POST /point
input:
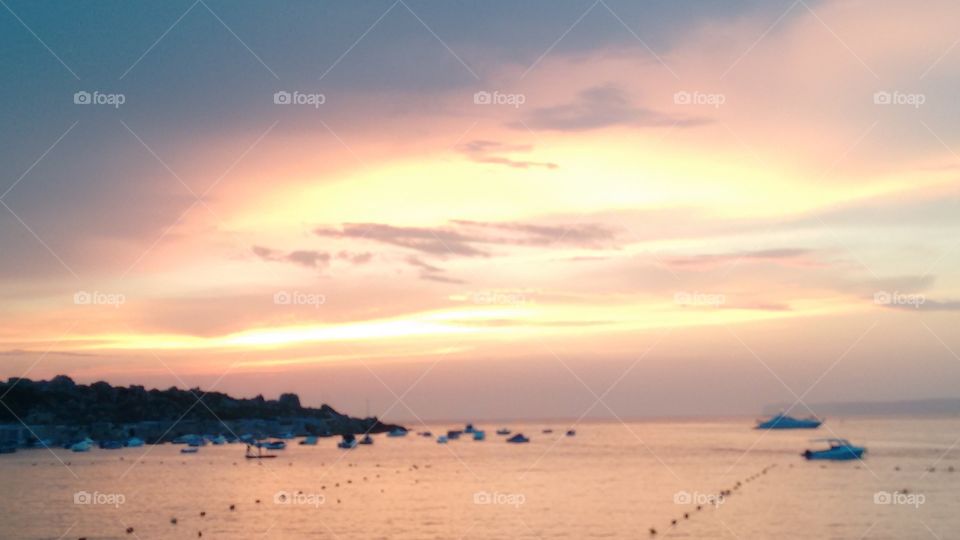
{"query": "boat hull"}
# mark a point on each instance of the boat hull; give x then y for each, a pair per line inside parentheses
(845, 453)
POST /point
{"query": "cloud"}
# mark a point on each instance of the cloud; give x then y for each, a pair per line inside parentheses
(599, 107)
(702, 261)
(308, 258)
(492, 152)
(472, 238)
(430, 272)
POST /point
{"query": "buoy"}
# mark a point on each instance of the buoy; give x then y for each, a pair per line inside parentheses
(673, 522)
(232, 507)
(202, 514)
(653, 531)
(129, 530)
(173, 521)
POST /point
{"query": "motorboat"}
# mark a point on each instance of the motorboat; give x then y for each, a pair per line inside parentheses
(547, 430)
(518, 438)
(275, 445)
(348, 442)
(782, 421)
(82, 446)
(190, 450)
(442, 439)
(468, 428)
(453, 434)
(397, 432)
(111, 445)
(310, 440)
(479, 435)
(367, 439)
(571, 432)
(218, 440)
(503, 431)
(134, 442)
(840, 450)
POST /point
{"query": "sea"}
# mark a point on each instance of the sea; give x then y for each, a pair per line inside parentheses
(651, 479)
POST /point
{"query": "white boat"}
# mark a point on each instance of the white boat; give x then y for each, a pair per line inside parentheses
(442, 439)
(82, 446)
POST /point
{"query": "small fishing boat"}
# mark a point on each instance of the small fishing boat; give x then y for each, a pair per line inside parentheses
(111, 445)
(571, 432)
(258, 455)
(190, 450)
(310, 440)
(468, 428)
(782, 421)
(426, 434)
(503, 431)
(547, 430)
(840, 450)
(397, 432)
(134, 442)
(479, 435)
(367, 439)
(518, 438)
(442, 439)
(348, 442)
(286, 436)
(218, 440)
(275, 445)
(453, 434)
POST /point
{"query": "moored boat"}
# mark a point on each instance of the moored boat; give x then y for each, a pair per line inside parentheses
(479, 435)
(840, 450)
(367, 439)
(518, 438)
(190, 450)
(442, 439)
(348, 442)
(134, 442)
(782, 421)
(397, 432)
(503, 431)
(310, 440)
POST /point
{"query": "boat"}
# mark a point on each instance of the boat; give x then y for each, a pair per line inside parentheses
(479, 435)
(367, 439)
(442, 439)
(503, 431)
(518, 438)
(310, 440)
(134, 442)
(840, 450)
(453, 434)
(8, 449)
(82, 446)
(426, 434)
(547, 430)
(258, 455)
(468, 428)
(782, 421)
(218, 440)
(111, 445)
(274, 445)
(397, 432)
(571, 432)
(286, 436)
(190, 450)
(348, 442)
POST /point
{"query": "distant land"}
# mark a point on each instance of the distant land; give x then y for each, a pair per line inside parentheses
(918, 407)
(60, 411)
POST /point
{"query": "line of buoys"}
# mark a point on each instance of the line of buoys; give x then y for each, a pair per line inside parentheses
(724, 493)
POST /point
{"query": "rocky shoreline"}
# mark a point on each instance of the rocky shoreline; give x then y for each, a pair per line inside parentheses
(59, 411)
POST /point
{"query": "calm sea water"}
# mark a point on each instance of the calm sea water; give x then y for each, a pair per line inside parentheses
(609, 481)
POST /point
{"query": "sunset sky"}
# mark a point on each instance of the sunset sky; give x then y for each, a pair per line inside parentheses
(535, 209)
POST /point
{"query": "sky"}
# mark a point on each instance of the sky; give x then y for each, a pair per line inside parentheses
(485, 210)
